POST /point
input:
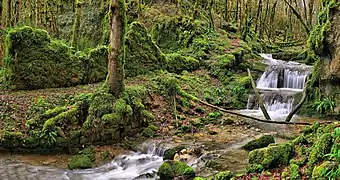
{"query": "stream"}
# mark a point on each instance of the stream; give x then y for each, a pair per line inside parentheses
(279, 86)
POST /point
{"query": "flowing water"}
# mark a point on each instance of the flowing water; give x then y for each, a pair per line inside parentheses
(279, 86)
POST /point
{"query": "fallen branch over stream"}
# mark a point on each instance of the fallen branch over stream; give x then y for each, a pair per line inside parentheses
(246, 116)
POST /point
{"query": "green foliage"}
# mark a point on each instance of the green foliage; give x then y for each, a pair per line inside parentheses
(48, 138)
(172, 169)
(324, 105)
(294, 172)
(225, 175)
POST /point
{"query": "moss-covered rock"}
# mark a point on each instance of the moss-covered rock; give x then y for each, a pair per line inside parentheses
(142, 54)
(170, 153)
(37, 61)
(320, 148)
(271, 157)
(177, 63)
(80, 162)
(225, 175)
(260, 142)
(320, 171)
(172, 169)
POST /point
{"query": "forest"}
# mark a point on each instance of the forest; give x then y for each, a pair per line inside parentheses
(170, 89)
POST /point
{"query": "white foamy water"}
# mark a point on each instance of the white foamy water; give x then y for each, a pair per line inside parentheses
(278, 85)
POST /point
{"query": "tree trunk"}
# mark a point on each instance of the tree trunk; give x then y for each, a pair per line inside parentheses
(310, 13)
(37, 13)
(115, 78)
(226, 18)
(298, 106)
(76, 24)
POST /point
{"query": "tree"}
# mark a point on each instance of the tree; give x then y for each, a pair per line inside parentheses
(115, 77)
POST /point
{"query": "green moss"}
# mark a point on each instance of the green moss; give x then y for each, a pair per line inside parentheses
(320, 171)
(80, 162)
(211, 164)
(272, 156)
(68, 117)
(300, 140)
(261, 142)
(148, 132)
(53, 112)
(145, 58)
(177, 63)
(225, 175)
(170, 153)
(37, 61)
(172, 169)
(294, 172)
(320, 148)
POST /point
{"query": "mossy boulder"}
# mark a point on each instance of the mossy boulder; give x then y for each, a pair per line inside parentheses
(38, 61)
(80, 162)
(270, 157)
(260, 142)
(83, 160)
(225, 175)
(142, 54)
(170, 153)
(320, 148)
(172, 169)
(177, 63)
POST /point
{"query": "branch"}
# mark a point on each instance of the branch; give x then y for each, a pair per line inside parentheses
(298, 106)
(258, 97)
(298, 16)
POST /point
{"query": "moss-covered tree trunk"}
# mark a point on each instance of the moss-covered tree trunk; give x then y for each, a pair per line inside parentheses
(115, 78)
(76, 24)
(6, 13)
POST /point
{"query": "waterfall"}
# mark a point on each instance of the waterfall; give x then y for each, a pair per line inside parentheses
(278, 86)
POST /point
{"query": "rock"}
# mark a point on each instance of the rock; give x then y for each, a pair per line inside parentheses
(320, 149)
(261, 142)
(80, 162)
(228, 121)
(213, 132)
(170, 153)
(187, 155)
(270, 157)
(172, 169)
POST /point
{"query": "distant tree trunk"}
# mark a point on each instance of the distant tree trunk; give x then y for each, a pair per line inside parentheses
(37, 13)
(272, 16)
(115, 78)
(310, 13)
(6, 13)
(76, 23)
(226, 11)
(298, 16)
(258, 14)
(211, 5)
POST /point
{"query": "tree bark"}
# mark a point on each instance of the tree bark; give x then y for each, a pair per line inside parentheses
(115, 78)
(76, 24)
(298, 16)
(298, 106)
(258, 97)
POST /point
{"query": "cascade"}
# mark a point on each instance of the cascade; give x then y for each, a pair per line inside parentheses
(278, 86)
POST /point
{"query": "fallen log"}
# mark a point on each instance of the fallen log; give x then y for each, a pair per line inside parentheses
(258, 97)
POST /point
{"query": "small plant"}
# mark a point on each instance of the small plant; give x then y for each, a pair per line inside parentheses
(324, 105)
(48, 138)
